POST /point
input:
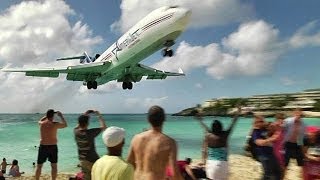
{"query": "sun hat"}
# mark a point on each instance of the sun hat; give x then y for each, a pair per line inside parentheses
(113, 136)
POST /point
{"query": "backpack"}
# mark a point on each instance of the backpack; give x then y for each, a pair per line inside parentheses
(251, 148)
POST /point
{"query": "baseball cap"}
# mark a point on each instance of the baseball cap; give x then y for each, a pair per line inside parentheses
(113, 136)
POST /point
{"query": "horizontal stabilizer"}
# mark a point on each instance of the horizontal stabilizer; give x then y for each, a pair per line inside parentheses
(69, 58)
(180, 71)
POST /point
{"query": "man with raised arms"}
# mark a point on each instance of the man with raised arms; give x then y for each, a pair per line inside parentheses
(151, 151)
(48, 148)
(85, 137)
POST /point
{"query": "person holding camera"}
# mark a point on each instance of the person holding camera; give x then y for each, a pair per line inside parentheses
(48, 148)
(84, 138)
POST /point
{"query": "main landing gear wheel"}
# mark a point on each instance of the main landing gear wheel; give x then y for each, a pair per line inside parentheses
(92, 84)
(167, 52)
(89, 84)
(127, 85)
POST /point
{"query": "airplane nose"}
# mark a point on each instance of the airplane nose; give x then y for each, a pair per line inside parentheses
(183, 17)
(186, 15)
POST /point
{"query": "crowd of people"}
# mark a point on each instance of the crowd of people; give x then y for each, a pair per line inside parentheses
(14, 170)
(153, 155)
(275, 143)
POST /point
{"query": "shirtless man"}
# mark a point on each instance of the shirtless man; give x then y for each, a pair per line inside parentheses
(151, 151)
(293, 138)
(48, 142)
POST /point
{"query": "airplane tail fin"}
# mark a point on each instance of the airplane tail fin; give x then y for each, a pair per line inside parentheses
(87, 58)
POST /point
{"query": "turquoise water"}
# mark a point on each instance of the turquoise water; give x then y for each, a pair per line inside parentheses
(19, 133)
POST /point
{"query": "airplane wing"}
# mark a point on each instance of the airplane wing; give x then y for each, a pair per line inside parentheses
(152, 73)
(74, 73)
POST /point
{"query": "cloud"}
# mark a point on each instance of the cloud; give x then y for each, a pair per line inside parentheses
(287, 81)
(39, 31)
(198, 86)
(250, 51)
(33, 34)
(204, 14)
(306, 36)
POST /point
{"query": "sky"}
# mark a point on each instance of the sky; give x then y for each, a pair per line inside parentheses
(231, 48)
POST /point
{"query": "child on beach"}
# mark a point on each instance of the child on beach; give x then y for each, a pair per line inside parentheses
(4, 165)
(14, 170)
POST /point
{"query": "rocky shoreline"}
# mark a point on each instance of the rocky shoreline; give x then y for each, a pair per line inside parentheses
(192, 112)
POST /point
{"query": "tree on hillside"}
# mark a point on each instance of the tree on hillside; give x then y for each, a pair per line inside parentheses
(218, 108)
(278, 102)
(237, 101)
(316, 106)
(289, 98)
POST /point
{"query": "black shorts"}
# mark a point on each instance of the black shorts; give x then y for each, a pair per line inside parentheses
(47, 151)
(293, 150)
(3, 171)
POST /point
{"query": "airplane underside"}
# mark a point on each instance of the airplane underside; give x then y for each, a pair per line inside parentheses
(128, 78)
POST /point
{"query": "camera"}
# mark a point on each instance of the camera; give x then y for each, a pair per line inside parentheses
(90, 111)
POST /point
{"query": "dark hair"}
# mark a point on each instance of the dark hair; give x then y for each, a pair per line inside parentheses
(279, 116)
(83, 120)
(216, 127)
(156, 116)
(15, 162)
(50, 113)
(3, 159)
(188, 160)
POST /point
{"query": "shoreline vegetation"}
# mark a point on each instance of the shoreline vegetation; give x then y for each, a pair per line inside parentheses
(241, 167)
(265, 105)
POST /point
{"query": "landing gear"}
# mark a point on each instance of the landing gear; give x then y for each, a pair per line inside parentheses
(92, 84)
(167, 52)
(127, 85)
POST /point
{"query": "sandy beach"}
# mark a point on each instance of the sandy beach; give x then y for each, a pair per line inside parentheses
(241, 168)
(246, 168)
(61, 176)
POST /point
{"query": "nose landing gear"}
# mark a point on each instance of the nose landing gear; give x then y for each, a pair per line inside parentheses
(167, 52)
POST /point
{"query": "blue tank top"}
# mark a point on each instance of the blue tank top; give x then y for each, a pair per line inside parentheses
(219, 153)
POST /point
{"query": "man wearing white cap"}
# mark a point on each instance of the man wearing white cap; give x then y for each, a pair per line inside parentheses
(112, 166)
(151, 151)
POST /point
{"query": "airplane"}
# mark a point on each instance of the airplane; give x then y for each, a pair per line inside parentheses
(158, 30)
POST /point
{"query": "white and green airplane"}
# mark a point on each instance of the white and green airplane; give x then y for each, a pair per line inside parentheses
(158, 30)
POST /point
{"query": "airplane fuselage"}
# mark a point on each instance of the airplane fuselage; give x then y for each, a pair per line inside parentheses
(147, 36)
